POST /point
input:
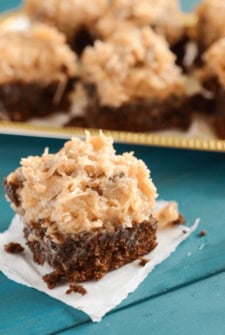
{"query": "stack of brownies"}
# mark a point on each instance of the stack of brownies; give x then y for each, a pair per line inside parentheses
(129, 58)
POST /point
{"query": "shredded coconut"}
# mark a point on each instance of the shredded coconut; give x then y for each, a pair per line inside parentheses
(215, 62)
(133, 64)
(66, 15)
(84, 186)
(163, 15)
(167, 214)
(211, 17)
(39, 54)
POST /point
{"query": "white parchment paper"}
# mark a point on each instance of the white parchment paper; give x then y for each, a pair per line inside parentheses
(102, 295)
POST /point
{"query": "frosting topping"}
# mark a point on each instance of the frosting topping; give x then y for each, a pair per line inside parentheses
(215, 62)
(163, 16)
(67, 15)
(132, 65)
(84, 186)
(211, 16)
(38, 54)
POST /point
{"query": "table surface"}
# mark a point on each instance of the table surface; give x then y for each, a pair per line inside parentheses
(183, 295)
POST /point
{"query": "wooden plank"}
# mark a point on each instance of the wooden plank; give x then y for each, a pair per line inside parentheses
(195, 309)
(26, 311)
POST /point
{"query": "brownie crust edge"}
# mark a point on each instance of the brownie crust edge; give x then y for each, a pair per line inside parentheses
(90, 255)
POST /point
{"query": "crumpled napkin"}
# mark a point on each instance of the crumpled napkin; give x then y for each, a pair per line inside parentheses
(102, 295)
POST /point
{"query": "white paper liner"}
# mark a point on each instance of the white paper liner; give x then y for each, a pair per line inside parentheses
(102, 295)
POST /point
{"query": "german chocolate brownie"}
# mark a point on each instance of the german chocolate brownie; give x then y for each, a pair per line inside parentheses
(133, 83)
(85, 210)
(37, 73)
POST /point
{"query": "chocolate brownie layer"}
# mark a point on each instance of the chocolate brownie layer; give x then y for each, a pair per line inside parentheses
(21, 101)
(77, 121)
(139, 115)
(90, 255)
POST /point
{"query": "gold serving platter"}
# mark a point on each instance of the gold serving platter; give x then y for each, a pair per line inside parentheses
(171, 140)
(118, 136)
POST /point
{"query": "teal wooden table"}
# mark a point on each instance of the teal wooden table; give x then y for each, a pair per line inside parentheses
(183, 295)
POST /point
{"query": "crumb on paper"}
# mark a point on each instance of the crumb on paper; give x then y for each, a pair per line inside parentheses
(53, 278)
(202, 233)
(180, 220)
(143, 261)
(13, 248)
(76, 288)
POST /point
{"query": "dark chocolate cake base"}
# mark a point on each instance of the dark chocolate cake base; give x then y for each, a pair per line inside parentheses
(77, 121)
(140, 115)
(90, 255)
(218, 120)
(218, 124)
(21, 101)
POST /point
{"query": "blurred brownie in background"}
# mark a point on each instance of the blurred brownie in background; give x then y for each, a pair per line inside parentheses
(133, 83)
(37, 73)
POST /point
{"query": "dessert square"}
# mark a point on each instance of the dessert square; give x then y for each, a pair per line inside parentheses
(133, 83)
(37, 73)
(85, 209)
